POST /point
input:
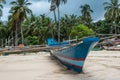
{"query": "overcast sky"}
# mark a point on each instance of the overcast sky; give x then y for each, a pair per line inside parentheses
(72, 7)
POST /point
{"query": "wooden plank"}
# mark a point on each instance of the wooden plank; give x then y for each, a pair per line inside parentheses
(15, 50)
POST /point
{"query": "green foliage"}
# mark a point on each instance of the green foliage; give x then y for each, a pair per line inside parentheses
(19, 12)
(38, 26)
(112, 13)
(37, 29)
(58, 2)
(67, 23)
(103, 27)
(86, 14)
(81, 31)
(1, 6)
(31, 40)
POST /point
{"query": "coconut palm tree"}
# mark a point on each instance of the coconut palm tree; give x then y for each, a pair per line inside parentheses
(38, 26)
(1, 6)
(112, 12)
(53, 8)
(13, 23)
(86, 14)
(57, 4)
(19, 12)
(67, 24)
(41, 27)
(3, 33)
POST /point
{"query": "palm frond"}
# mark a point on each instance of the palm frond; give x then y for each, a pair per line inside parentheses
(1, 6)
(28, 4)
(14, 3)
(2, 1)
(0, 12)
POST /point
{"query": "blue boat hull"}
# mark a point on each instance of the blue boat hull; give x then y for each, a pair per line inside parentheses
(74, 56)
(53, 42)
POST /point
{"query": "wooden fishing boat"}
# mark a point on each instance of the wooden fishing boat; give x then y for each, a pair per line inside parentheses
(112, 44)
(73, 56)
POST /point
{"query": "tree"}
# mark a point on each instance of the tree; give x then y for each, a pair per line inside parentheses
(102, 27)
(38, 26)
(67, 23)
(81, 31)
(14, 26)
(42, 28)
(57, 3)
(1, 6)
(86, 14)
(53, 8)
(112, 12)
(3, 33)
(19, 12)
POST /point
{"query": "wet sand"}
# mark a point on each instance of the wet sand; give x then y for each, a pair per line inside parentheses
(100, 65)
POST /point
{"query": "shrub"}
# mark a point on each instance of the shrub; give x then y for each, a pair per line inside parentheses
(81, 31)
(31, 40)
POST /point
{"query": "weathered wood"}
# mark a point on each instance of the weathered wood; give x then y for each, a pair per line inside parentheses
(16, 50)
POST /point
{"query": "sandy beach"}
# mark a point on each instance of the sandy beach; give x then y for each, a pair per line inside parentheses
(99, 65)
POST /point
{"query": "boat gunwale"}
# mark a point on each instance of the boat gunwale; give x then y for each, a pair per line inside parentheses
(69, 46)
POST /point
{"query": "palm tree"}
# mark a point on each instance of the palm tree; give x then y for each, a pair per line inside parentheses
(19, 12)
(53, 8)
(86, 14)
(13, 23)
(41, 27)
(38, 26)
(67, 24)
(57, 4)
(1, 6)
(112, 12)
(3, 33)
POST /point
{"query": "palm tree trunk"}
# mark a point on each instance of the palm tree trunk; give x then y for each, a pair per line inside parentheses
(6, 42)
(55, 16)
(39, 38)
(22, 35)
(58, 24)
(115, 29)
(55, 24)
(118, 30)
(52, 30)
(115, 26)
(9, 41)
(2, 42)
(16, 36)
(12, 38)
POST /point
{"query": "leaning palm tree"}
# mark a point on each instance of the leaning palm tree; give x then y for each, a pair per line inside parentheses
(1, 6)
(112, 12)
(57, 4)
(86, 14)
(13, 23)
(53, 8)
(19, 12)
(3, 33)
